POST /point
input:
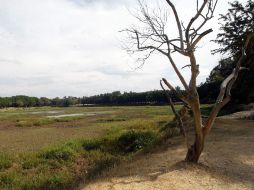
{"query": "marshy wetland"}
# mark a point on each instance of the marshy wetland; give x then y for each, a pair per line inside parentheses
(66, 148)
(57, 148)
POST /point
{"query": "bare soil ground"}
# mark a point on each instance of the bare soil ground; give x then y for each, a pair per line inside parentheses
(240, 115)
(226, 163)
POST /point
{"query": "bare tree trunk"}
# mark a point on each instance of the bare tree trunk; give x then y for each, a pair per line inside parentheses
(196, 149)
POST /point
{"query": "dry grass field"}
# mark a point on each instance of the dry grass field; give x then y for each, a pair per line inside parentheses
(30, 129)
(57, 148)
(69, 148)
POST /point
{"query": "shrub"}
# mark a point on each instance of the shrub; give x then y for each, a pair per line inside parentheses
(89, 145)
(30, 163)
(59, 153)
(102, 161)
(133, 141)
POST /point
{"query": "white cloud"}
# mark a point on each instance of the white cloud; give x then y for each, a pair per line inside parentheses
(72, 47)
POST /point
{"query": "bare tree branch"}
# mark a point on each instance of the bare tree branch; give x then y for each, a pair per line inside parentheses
(178, 23)
(179, 95)
(148, 47)
(190, 36)
(193, 19)
(193, 45)
(178, 73)
(178, 117)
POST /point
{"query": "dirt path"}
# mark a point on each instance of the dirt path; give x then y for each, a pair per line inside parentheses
(227, 163)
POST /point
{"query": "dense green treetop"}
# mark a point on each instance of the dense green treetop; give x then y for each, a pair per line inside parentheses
(236, 25)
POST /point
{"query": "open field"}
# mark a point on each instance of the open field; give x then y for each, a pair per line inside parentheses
(65, 148)
(31, 129)
(57, 148)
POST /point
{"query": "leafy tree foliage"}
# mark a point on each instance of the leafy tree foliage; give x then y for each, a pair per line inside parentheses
(235, 26)
(19, 101)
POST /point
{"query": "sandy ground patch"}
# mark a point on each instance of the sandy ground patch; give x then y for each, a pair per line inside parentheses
(240, 115)
(227, 163)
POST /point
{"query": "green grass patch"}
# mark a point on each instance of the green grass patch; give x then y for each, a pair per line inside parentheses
(31, 122)
(207, 108)
(9, 180)
(43, 121)
(58, 153)
(67, 118)
(5, 161)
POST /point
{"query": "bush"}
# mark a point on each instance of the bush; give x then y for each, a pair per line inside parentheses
(128, 142)
(101, 161)
(59, 153)
(91, 145)
(133, 141)
(30, 163)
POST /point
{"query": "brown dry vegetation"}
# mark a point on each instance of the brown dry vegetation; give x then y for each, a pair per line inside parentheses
(37, 152)
(227, 163)
(41, 152)
(21, 131)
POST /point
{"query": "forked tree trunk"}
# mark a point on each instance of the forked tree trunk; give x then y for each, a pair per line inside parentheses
(195, 151)
(224, 97)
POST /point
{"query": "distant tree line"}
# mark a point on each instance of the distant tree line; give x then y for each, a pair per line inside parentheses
(129, 98)
(26, 101)
(114, 98)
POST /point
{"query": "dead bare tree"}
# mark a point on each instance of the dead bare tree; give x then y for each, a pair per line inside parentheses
(152, 37)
